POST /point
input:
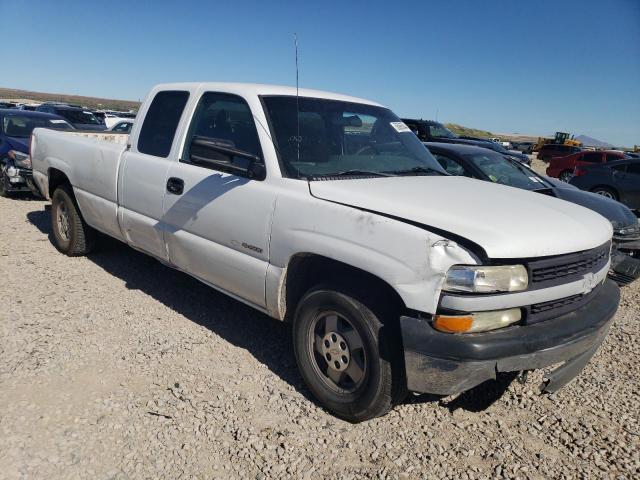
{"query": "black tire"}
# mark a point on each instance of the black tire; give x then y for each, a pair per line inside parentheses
(4, 189)
(72, 237)
(378, 355)
(605, 192)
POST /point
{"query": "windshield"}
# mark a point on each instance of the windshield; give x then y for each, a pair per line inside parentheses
(79, 116)
(21, 126)
(507, 172)
(330, 137)
(439, 130)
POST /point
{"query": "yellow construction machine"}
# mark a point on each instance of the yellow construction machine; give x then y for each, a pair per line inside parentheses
(560, 138)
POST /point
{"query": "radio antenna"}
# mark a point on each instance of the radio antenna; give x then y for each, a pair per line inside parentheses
(298, 139)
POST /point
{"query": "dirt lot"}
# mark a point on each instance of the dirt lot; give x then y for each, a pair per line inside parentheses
(114, 366)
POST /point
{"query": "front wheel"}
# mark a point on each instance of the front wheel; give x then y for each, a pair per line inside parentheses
(605, 192)
(347, 356)
(71, 234)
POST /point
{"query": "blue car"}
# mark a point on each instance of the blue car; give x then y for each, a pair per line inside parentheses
(15, 137)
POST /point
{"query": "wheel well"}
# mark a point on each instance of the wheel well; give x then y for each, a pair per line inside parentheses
(57, 178)
(306, 270)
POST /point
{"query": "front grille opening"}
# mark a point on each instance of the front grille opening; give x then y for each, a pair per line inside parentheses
(566, 268)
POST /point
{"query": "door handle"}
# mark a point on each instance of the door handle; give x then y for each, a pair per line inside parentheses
(175, 186)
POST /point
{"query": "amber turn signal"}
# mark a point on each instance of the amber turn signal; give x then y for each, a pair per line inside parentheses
(453, 323)
(477, 321)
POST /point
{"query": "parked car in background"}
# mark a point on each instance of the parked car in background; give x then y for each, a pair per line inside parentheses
(504, 143)
(16, 127)
(326, 211)
(110, 121)
(563, 167)
(524, 147)
(631, 154)
(478, 163)
(430, 131)
(553, 150)
(123, 126)
(79, 117)
(619, 180)
(31, 107)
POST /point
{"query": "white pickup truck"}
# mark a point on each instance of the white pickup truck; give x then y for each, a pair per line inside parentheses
(326, 211)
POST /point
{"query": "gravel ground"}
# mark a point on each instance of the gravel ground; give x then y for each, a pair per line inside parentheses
(114, 366)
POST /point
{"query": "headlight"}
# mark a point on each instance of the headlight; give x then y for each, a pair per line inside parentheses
(628, 230)
(477, 322)
(481, 279)
(21, 159)
(12, 172)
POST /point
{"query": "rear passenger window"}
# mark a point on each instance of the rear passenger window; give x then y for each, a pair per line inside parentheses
(226, 118)
(161, 122)
(592, 157)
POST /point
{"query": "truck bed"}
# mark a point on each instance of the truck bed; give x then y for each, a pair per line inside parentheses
(91, 161)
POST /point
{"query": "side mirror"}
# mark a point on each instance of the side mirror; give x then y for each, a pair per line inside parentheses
(219, 154)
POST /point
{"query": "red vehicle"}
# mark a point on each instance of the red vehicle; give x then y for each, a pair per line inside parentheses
(562, 167)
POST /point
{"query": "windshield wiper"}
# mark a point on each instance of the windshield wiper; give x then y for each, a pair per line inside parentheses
(415, 170)
(356, 171)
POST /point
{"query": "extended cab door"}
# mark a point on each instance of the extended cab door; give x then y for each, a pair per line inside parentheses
(143, 175)
(218, 223)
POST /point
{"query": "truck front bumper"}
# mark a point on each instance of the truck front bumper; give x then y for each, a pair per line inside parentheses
(444, 364)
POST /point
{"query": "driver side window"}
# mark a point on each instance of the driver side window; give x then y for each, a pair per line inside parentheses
(451, 166)
(227, 119)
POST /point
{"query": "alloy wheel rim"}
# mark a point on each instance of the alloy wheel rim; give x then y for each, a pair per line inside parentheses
(604, 193)
(337, 352)
(62, 218)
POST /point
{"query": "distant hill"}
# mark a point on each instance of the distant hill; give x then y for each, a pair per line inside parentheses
(468, 132)
(592, 142)
(91, 102)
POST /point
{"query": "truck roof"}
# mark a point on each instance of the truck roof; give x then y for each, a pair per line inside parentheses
(257, 89)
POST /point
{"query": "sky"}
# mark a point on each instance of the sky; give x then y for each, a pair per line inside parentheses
(508, 66)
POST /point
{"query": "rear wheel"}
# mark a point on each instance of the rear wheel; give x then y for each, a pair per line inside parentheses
(348, 354)
(565, 176)
(71, 234)
(605, 192)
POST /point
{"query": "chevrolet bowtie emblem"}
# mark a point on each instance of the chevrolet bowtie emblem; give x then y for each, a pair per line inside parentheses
(589, 281)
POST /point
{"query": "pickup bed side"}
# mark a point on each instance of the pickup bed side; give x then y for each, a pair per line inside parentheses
(91, 167)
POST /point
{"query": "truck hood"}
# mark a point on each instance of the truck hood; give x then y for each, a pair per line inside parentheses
(506, 222)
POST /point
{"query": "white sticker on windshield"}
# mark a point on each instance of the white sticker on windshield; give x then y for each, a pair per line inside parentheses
(534, 179)
(57, 121)
(88, 113)
(400, 127)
